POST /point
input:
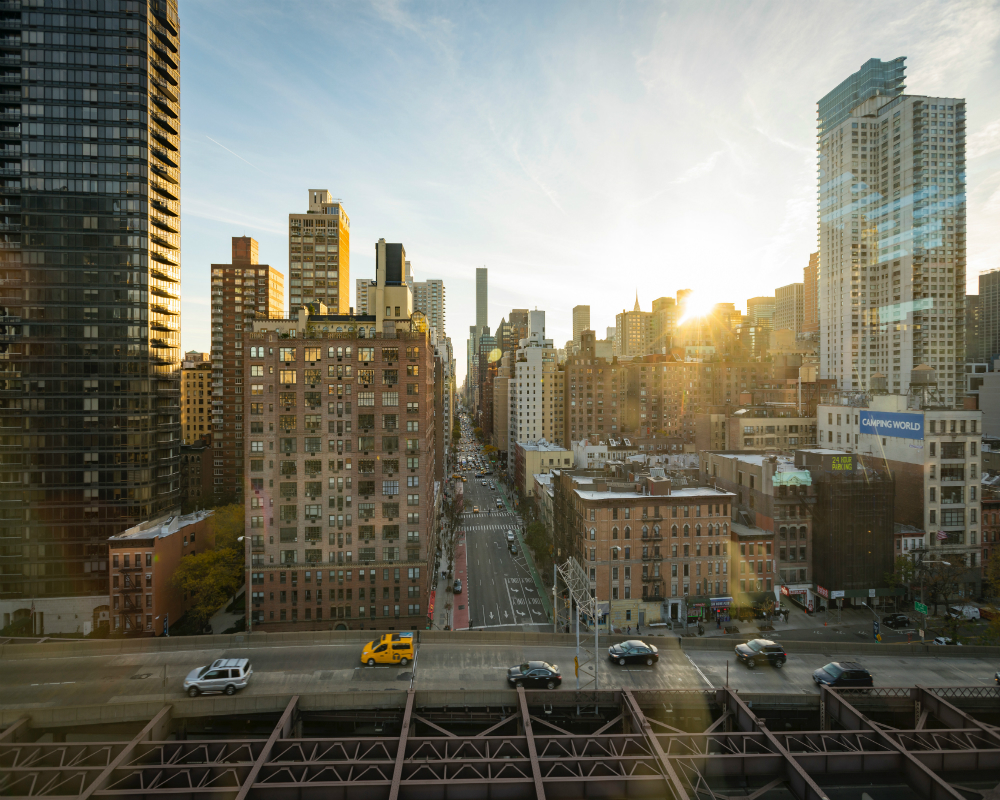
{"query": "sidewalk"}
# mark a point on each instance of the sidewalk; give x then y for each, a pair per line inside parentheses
(458, 616)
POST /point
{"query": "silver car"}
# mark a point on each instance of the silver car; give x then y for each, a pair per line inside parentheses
(224, 675)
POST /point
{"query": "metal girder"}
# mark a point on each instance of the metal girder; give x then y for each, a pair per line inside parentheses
(536, 771)
(804, 787)
(156, 728)
(401, 751)
(16, 730)
(950, 715)
(640, 723)
(281, 731)
(921, 778)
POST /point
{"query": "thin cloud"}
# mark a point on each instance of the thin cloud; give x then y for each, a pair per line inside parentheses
(235, 154)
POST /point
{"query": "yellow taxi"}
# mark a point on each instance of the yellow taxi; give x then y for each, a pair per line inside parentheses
(392, 648)
(464, 479)
(475, 509)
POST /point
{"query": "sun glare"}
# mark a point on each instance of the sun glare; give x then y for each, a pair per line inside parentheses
(696, 305)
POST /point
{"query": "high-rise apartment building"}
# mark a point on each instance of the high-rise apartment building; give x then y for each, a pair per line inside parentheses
(594, 395)
(892, 236)
(535, 387)
(974, 350)
(989, 315)
(581, 323)
(196, 397)
(482, 321)
(241, 292)
(482, 297)
(428, 297)
(361, 295)
(810, 295)
(789, 307)
(663, 323)
(319, 254)
(760, 310)
(632, 331)
(342, 427)
(90, 271)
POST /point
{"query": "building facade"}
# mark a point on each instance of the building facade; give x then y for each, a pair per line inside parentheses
(989, 316)
(760, 311)
(196, 397)
(581, 323)
(933, 452)
(429, 297)
(361, 296)
(143, 559)
(892, 233)
(538, 458)
(536, 391)
(91, 273)
(319, 254)
(810, 295)
(241, 292)
(342, 455)
(594, 397)
(789, 307)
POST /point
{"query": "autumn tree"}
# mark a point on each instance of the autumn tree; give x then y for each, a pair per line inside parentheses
(211, 577)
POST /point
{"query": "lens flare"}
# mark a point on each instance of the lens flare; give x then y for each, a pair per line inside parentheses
(696, 305)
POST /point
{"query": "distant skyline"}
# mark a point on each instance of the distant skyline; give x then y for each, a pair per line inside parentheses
(579, 151)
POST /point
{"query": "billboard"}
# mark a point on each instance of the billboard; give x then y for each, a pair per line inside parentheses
(887, 423)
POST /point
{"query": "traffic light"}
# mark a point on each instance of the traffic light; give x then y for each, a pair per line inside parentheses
(875, 631)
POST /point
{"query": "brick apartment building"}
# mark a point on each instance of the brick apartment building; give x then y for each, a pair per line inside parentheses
(341, 451)
(142, 561)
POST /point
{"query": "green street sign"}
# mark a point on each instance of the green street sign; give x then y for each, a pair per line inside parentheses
(919, 607)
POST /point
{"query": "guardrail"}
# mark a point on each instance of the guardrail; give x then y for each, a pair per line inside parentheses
(63, 648)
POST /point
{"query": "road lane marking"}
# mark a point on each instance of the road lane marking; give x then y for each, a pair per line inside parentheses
(698, 670)
(56, 683)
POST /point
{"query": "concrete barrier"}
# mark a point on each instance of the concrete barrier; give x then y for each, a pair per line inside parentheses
(851, 648)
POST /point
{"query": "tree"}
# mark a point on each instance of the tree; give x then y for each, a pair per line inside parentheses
(903, 573)
(210, 577)
(488, 451)
(478, 432)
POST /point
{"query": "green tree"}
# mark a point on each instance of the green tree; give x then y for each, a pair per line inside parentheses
(211, 577)
(478, 432)
(903, 573)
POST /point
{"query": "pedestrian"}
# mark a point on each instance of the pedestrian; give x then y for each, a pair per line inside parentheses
(718, 624)
(629, 630)
(637, 631)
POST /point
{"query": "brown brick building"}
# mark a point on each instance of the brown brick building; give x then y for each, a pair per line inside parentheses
(196, 397)
(341, 464)
(143, 559)
(197, 488)
(593, 394)
(241, 292)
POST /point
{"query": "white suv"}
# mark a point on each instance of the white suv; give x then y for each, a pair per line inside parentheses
(224, 675)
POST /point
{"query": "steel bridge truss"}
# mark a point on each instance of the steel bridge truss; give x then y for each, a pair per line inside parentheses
(518, 754)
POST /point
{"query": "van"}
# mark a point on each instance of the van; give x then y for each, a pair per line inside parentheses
(392, 648)
(964, 612)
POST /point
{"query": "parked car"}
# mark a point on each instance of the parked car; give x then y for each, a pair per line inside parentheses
(534, 674)
(761, 651)
(843, 673)
(964, 612)
(224, 675)
(946, 640)
(634, 652)
(513, 549)
(458, 586)
(510, 536)
(896, 621)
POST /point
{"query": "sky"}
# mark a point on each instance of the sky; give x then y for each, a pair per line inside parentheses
(583, 152)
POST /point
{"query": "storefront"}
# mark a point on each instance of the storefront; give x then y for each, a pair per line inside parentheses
(801, 595)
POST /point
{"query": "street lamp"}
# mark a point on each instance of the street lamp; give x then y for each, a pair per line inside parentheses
(614, 548)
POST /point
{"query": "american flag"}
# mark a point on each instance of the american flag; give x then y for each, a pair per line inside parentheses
(942, 535)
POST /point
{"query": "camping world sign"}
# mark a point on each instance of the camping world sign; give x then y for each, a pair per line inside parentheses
(887, 423)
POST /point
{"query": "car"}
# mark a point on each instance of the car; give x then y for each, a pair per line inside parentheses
(634, 652)
(510, 536)
(761, 651)
(534, 674)
(465, 480)
(513, 549)
(896, 621)
(996, 677)
(945, 640)
(391, 648)
(458, 586)
(224, 675)
(842, 673)
(475, 509)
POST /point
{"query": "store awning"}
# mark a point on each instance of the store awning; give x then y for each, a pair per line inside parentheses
(721, 602)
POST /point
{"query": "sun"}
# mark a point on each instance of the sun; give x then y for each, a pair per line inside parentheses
(696, 305)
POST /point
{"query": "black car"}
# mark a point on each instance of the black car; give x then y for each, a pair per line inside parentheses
(634, 652)
(843, 673)
(761, 651)
(896, 621)
(534, 675)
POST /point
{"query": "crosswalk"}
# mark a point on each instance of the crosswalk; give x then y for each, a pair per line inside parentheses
(499, 526)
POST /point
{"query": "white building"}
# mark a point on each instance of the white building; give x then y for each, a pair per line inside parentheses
(892, 232)
(428, 296)
(933, 452)
(361, 295)
(590, 456)
(533, 389)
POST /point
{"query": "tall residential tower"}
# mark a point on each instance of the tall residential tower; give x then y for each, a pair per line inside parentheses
(892, 236)
(319, 255)
(90, 275)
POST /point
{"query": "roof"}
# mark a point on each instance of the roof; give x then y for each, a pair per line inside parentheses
(745, 530)
(692, 492)
(161, 527)
(543, 446)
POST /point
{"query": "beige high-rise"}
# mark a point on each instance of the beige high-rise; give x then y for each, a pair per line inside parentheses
(319, 255)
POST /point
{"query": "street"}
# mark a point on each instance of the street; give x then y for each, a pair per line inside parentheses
(500, 590)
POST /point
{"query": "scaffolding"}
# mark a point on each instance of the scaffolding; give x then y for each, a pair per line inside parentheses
(579, 602)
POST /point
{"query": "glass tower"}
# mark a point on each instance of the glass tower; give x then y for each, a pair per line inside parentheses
(90, 287)
(875, 78)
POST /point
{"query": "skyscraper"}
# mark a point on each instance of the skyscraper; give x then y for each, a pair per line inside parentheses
(760, 310)
(482, 298)
(875, 78)
(91, 366)
(319, 255)
(789, 307)
(241, 292)
(361, 295)
(810, 295)
(581, 323)
(428, 297)
(892, 235)
(989, 315)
